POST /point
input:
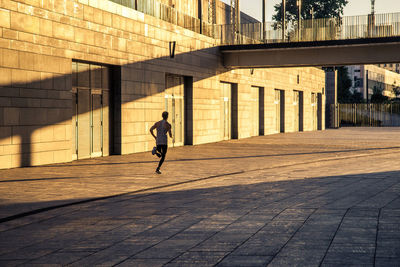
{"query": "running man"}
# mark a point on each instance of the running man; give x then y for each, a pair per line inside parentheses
(162, 127)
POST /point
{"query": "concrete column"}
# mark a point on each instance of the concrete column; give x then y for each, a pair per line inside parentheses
(331, 98)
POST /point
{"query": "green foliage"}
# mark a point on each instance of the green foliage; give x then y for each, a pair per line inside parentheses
(377, 96)
(343, 85)
(356, 97)
(396, 90)
(343, 88)
(322, 9)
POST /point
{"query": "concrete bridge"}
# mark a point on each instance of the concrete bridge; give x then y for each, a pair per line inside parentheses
(369, 39)
(319, 53)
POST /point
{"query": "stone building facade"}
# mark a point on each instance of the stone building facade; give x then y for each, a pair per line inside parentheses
(88, 78)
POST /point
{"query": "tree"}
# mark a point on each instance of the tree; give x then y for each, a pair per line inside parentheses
(344, 85)
(378, 97)
(356, 97)
(321, 8)
(396, 90)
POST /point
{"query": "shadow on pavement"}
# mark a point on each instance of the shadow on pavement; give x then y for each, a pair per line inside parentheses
(325, 210)
(219, 158)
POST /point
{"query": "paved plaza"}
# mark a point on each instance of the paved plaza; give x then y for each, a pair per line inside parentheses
(327, 198)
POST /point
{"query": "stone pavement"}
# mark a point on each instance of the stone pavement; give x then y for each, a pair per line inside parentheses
(329, 198)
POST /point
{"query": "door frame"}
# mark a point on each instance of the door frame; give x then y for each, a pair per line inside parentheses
(172, 96)
(226, 99)
(110, 87)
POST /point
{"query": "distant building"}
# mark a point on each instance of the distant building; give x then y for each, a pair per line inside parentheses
(378, 77)
(395, 67)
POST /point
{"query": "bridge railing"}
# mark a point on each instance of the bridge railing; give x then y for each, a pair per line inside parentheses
(354, 27)
(368, 26)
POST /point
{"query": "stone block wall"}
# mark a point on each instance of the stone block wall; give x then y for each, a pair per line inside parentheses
(35, 109)
(40, 39)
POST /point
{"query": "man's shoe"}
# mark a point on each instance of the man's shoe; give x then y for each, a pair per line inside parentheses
(158, 171)
(154, 151)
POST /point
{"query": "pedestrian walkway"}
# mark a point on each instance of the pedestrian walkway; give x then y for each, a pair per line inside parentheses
(327, 198)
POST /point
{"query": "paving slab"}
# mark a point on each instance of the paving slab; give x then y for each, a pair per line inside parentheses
(326, 198)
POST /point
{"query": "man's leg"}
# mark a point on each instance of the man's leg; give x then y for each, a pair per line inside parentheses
(158, 151)
(163, 151)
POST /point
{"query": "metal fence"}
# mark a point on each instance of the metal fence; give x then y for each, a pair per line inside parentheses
(354, 27)
(373, 115)
(168, 14)
(345, 28)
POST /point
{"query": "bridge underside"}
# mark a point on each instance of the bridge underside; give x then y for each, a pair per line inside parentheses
(308, 54)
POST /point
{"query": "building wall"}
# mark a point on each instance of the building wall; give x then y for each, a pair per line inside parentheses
(224, 14)
(223, 11)
(189, 7)
(40, 39)
(392, 67)
(378, 77)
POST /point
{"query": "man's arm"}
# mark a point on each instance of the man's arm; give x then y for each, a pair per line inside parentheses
(152, 129)
(169, 130)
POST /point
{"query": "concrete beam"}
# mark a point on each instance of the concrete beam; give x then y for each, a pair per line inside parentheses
(313, 54)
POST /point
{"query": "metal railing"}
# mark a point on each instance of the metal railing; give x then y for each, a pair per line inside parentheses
(372, 115)
(345, 28)
(168, 14)
(355, 27)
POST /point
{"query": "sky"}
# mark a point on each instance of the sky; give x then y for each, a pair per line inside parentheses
(353, 8)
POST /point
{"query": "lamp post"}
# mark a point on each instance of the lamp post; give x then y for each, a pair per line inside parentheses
(263, 20)
(283, 19)
(238, 30)
(312, 22)
(367, 85)
(235, 20)
(299, 20)
(200, 15)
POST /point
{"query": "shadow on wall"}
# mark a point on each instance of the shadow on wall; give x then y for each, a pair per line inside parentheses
(24, 116)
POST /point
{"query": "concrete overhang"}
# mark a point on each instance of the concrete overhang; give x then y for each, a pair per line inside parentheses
(313, 54)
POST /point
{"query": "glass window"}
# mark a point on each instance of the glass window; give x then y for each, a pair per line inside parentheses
(83, 75)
